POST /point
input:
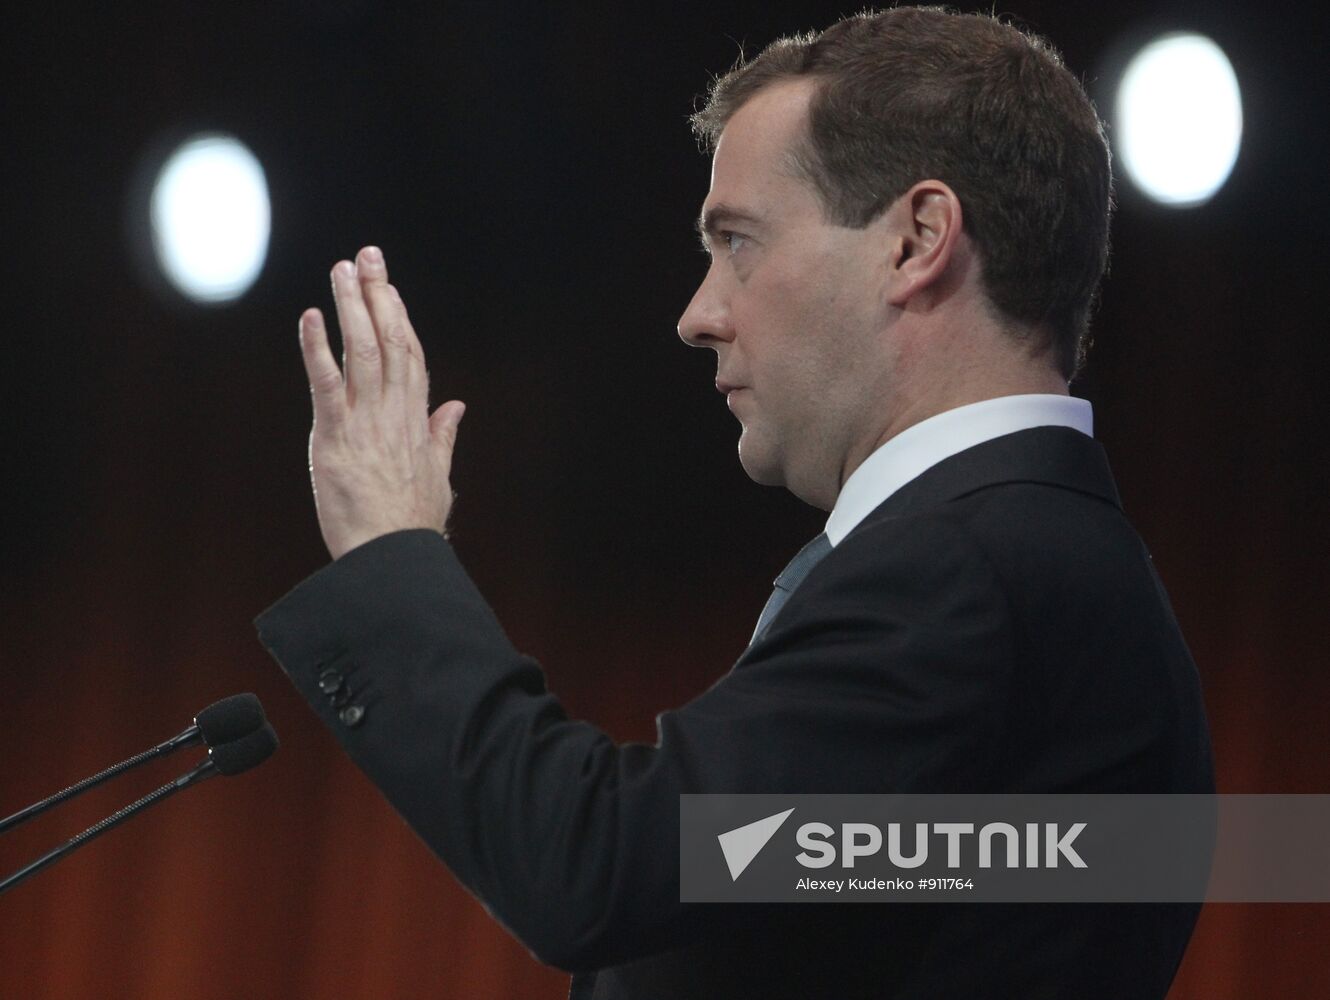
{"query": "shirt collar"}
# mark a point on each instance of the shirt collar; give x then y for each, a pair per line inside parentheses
(918, 448)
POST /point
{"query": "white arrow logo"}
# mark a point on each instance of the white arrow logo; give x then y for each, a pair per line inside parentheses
(742, 844)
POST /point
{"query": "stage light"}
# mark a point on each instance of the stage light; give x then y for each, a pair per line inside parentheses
(1178, 119)
(210, 218)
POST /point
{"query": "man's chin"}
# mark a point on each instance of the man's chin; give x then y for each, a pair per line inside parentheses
(760, 465)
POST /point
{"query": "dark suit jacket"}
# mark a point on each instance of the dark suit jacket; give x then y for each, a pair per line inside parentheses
(994, 626)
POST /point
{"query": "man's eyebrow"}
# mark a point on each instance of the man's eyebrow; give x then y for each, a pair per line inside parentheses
(718, 217)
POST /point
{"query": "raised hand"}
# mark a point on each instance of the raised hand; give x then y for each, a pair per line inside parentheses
(378, 460)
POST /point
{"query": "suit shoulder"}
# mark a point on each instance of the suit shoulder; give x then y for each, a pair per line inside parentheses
(1043, 527)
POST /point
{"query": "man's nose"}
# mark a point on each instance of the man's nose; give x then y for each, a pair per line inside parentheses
(706, 321)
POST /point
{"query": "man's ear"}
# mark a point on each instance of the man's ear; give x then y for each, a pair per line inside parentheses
(925, 227)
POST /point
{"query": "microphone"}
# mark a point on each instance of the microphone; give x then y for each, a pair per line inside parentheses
(237, 756)
(230, 758)
(221, 722)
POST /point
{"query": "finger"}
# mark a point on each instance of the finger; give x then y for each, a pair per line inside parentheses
(387, 318)
(398, 345)
(325, 378)
(360, 355)
(417, 384)
(443, 430)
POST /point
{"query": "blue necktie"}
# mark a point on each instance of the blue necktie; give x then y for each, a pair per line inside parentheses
(790, 578)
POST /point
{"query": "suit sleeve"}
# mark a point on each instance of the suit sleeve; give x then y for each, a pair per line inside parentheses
(887, 670)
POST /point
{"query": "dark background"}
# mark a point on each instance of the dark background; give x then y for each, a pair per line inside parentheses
(529, 173)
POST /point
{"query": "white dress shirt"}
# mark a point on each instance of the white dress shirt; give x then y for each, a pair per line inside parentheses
(928, 442)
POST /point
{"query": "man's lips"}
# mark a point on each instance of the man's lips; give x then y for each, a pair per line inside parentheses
(730, 391)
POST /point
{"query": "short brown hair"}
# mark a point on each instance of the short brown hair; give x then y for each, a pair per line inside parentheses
(913, 93)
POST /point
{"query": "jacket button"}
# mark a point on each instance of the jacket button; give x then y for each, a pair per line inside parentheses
(330, 682)
(352, 715)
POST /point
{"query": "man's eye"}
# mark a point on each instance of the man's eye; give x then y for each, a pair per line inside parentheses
(733, 241)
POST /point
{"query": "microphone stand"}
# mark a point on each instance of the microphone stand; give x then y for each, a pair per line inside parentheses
(187, 738)
(204, 770)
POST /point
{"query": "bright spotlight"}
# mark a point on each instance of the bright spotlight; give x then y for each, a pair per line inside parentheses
(210, 218)
(1179, 119)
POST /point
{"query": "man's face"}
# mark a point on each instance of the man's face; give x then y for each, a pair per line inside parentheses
(793, 306)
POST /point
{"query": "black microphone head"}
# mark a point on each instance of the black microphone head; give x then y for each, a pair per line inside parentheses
(248, 751)
(230, 719)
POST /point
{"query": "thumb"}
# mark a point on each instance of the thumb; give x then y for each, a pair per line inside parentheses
(443, 423)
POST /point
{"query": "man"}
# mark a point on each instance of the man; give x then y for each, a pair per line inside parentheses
(908, 220)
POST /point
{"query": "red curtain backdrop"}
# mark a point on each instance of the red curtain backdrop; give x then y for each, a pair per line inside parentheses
(156, 495)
